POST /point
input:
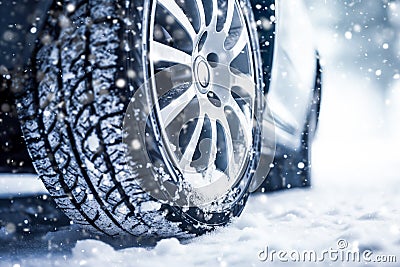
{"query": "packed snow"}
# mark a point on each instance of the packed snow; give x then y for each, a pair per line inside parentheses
(355, 198)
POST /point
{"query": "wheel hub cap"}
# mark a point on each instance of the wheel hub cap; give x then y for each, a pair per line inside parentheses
(201, 74)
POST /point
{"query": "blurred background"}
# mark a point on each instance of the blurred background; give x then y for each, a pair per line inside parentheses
(359, 42)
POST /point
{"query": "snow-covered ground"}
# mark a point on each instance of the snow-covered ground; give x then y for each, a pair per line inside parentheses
(355, 198)
(353, 205)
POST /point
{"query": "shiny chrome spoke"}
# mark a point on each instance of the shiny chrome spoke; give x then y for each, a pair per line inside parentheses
(192, 145)
(213, 150)
(180, 16)
(171, 111)
(229, 151)
(162, 52)
(202, 16)
(239, 45)
(242, 118)
(229, 16)
(214, 17)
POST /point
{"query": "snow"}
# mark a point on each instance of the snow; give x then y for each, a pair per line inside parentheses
(354, 199)
(20, 185)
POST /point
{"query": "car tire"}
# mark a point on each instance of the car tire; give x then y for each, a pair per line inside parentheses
(87, 65)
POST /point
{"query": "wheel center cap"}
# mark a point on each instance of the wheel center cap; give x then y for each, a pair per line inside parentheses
(201, 74)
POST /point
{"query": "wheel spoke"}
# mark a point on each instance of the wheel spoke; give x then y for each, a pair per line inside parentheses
(213, 22)
(228, 143)
(171, 111)
(162, 52)
(213, 150)
(180, 16)
(200, 9)
(191, 147)
(239, 46)
(243, 121)
(229, 16)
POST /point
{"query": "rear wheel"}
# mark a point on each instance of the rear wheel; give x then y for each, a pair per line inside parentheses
(92, 59)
